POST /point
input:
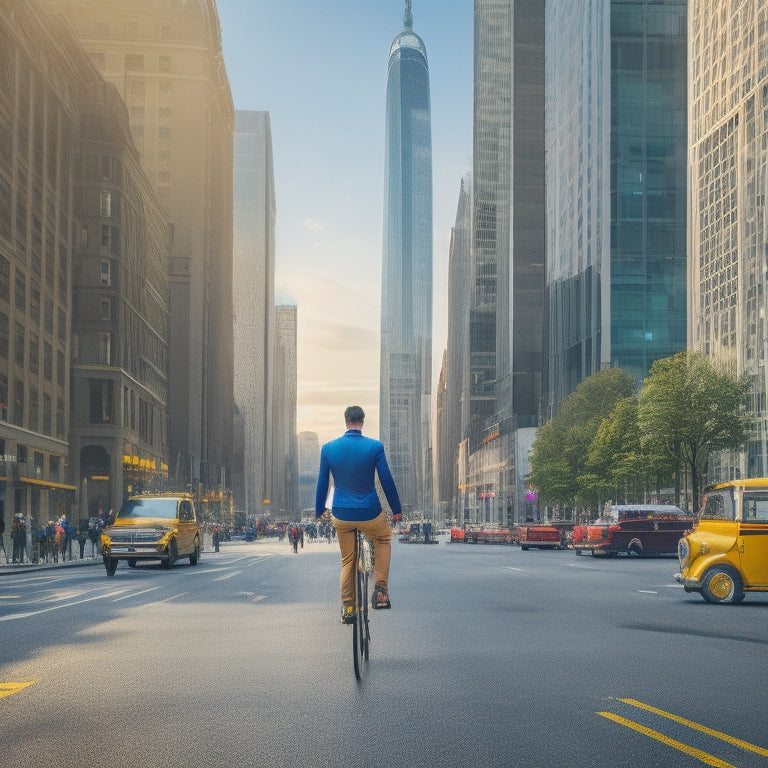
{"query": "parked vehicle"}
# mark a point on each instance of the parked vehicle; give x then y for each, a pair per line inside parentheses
(539, 537)
(726, 555)
(482, 534)
(634, 529)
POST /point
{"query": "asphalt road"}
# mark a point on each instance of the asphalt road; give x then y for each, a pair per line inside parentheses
(490, 656)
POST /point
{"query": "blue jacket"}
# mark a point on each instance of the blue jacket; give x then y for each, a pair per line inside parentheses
(354, 461)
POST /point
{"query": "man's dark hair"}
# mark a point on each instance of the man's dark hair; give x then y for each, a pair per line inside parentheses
(354, 414)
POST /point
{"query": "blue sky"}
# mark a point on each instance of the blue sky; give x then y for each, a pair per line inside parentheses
(319, 69)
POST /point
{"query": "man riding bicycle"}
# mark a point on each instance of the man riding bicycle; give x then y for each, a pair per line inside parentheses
(354, 461)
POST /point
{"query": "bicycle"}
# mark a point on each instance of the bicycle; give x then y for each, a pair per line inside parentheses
(361, 635)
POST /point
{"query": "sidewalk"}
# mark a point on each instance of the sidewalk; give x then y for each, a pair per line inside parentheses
(7, 567)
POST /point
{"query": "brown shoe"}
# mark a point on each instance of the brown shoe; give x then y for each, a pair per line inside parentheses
(380, 598)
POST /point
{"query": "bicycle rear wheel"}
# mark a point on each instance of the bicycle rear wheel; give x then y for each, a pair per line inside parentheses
(357, 634)
(362, 577)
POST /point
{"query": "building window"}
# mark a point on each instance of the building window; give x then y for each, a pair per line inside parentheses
(34, 354)
(106, 204)
(106, 309)
(5, 279)
(98, 60)
(165, 63)
(105, 341)
(165, 31)
(102, 28)
(133, 30)
(163, 132)
(4, 335)
(21, 292)
(106, 273)
(47, 361)
(18, 344)
(47, 414)
(100, 401)
(134, 61)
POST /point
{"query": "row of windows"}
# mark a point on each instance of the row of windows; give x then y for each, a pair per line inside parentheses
(132, 29)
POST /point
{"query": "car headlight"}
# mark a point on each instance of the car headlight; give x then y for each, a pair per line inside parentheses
(683, 551)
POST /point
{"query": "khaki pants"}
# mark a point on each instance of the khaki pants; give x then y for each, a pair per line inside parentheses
(379, 532)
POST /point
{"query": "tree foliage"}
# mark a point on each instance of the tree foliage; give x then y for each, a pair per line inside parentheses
(559, 454)
(688, 408)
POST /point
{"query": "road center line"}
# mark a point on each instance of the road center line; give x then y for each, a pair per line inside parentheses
(698, 727)
(705, 757)
(7, 689)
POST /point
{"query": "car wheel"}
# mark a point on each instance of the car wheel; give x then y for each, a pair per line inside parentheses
(194, 558)
(722, 584)
(110, 563)
(635, 548)
(173, 553)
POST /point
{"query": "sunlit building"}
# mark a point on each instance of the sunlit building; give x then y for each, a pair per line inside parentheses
(121, 314)
(166, 61)
(254, 305)
(616, 87)
(39, 122)
(309, 466)
(284, 502)
(406, 288)
(455, 377)
(728, 282)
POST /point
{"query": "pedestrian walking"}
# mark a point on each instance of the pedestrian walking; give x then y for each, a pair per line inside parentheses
(19, 537)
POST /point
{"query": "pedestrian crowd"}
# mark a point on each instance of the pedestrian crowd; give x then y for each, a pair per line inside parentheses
(53, 541)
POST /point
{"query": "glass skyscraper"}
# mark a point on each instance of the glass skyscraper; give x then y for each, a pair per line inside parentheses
(616, 88)
(253, 293)
(728, 282)
(406, 287)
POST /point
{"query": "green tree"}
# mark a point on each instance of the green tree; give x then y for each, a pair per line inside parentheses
(626, 467)
(559, 453)
(689, 408)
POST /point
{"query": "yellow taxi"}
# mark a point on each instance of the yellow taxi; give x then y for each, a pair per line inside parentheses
(726, 554)
(152, 527)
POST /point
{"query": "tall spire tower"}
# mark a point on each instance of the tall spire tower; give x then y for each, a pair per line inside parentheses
(406, 286)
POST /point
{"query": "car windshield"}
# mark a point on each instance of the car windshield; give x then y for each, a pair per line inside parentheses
(156, 508)
(718, 505)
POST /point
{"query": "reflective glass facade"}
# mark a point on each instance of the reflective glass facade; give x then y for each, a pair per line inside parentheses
(728, 157)
(616, 142)
(406, 291)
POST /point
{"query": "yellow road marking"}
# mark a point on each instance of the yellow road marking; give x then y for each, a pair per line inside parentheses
(705, 757)
(6, 689)
(697, 727)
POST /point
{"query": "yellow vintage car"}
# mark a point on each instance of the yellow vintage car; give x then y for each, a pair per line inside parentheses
(160, 527)
(726, 554)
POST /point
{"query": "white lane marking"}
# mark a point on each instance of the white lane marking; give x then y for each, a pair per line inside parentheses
(647, 592)
(227, 576)
(518, 570)
(57, 607)
(134, 594)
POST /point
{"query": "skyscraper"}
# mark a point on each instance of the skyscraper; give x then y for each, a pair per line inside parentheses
(285, 471)
(254, 303)
(728, 283)
(616, 185)
(506, 277)
(166, 61)
(406, 286)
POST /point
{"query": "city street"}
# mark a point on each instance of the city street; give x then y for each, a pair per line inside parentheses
(490, 656)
